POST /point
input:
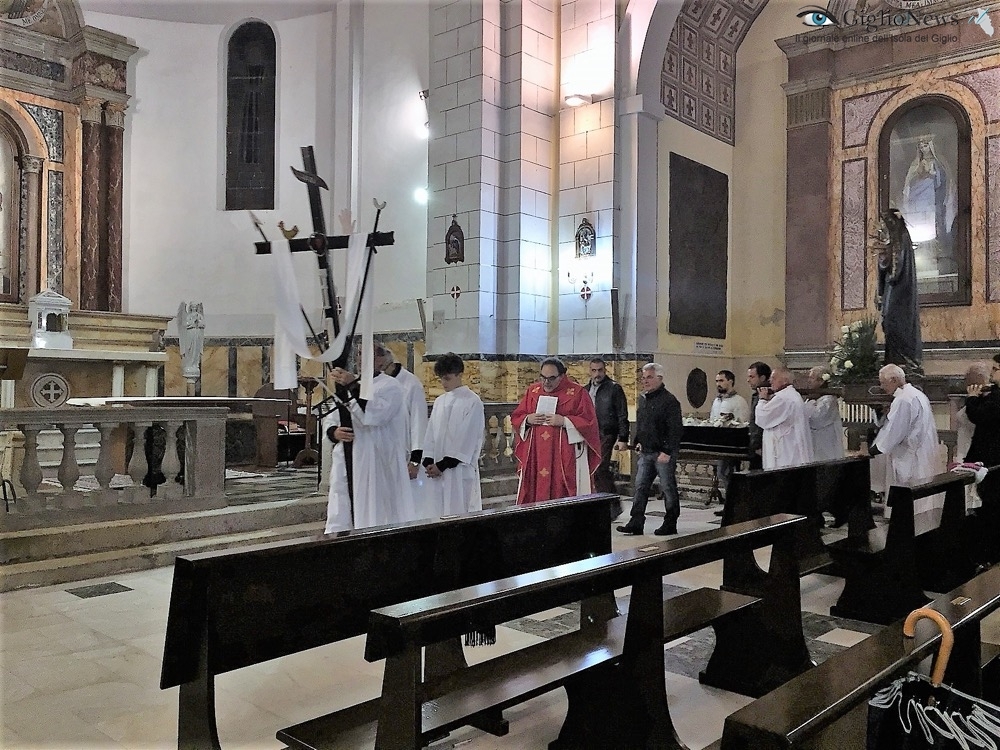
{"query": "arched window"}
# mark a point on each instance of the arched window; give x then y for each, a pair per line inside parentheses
(924, 154)
(10, 204)
(250, 110)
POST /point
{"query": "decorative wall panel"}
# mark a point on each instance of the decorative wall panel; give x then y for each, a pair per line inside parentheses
(853, 235)
(50, 122)
(699, 71)
(985, 84)
(993, 219)
(858, 113)
(55, 252)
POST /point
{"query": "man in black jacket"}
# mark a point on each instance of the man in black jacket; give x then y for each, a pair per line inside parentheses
(612, 419)
(658, 428)
(758, 376)
(982, 407)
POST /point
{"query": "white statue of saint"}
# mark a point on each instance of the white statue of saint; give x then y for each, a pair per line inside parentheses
(191, 332)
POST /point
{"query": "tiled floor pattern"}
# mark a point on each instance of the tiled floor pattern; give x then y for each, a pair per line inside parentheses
(81, 671)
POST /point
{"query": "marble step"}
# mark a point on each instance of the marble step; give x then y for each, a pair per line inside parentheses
(84, 538)
(113, 562)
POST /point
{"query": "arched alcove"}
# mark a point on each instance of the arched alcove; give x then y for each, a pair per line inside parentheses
(924, 172)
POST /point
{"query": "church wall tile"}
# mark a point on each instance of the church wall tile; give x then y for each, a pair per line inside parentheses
(458, 14)
(601, 142)
(600, 196)
(470, 36)
(586, 172)
(249, 370)
(215, 371)
(573, 148)
(585, 335)
(173, 382)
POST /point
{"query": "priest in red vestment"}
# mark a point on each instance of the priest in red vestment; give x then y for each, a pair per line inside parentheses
(557, 441)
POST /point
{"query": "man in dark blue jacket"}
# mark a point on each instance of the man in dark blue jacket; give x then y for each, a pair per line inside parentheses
(658, 428)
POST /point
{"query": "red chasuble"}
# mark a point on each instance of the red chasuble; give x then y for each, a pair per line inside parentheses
(546, 459)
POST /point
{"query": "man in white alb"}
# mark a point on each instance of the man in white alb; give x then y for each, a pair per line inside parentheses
(824, 420)
(369, 487)
(454, 441)
(781, 414)
(908, 437)
(415, 411)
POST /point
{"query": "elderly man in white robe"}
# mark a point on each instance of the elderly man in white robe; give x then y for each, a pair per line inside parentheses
(378, 492)
(453, 444)
(415, 411)
(781, 414)
(908, 437)
(825, 423)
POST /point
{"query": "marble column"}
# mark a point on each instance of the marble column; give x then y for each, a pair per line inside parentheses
(114, 126)
(31, 170)
(90, 206)
(807, 216)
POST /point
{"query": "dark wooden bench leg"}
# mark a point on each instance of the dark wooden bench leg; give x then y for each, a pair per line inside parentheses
(883, 586)
(196, 728)
(624, 705)
(762, 647)
(400, 712)
(440, 660)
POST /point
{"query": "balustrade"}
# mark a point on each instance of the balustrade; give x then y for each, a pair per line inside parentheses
(202, 430)
(497, 458)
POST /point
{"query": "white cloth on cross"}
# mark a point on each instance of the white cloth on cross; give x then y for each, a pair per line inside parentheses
(290, 333)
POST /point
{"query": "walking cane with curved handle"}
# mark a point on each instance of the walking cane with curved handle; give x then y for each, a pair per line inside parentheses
(947, 639)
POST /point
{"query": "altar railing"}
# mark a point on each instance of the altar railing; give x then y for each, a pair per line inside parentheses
(497, 458)
(200, 444)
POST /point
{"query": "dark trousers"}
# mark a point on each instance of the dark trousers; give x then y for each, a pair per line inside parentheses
(604, 480)
(647, 470)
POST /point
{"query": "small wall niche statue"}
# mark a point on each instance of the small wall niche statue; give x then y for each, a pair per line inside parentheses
(896, 296)
(586, 240)
(191, 333)
(48, 313)
(454, 242)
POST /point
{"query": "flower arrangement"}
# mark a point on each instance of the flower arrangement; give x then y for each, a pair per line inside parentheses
(854, 359)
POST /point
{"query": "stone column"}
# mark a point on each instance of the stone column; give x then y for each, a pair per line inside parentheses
(114, 127)
(31, 171)
(464, 109)
(807, 217)
(90, 206)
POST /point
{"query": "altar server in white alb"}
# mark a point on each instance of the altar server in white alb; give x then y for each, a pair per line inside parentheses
(454, 442)
(824, 419)
(909, 439)
(781, 414)
(415, 410)
(369, 485)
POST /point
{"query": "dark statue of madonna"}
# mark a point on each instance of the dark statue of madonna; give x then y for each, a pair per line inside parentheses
(896, 296)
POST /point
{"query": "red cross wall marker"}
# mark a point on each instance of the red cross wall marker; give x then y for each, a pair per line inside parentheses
(585, 293)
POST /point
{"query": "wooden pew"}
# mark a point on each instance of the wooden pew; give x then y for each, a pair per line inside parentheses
(888, 569)
(839, 487)
(235, 608)
(826, 708)
(612, 669)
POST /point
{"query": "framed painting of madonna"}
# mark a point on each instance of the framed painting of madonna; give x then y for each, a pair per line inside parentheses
(924, 153)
